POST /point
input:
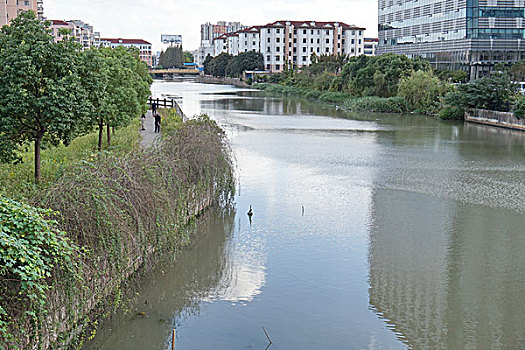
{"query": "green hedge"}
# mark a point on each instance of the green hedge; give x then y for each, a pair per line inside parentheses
(378, 104)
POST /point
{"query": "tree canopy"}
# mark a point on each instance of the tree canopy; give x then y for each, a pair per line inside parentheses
(173, 57)
(40, 88)
(244, 61)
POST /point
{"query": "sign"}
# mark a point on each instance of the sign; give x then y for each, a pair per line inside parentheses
(171, 39)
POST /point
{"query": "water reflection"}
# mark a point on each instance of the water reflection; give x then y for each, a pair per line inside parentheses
(206, 272)
(447, 275)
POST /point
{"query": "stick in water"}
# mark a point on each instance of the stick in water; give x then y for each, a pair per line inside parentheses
(267, 336)
(174, 337)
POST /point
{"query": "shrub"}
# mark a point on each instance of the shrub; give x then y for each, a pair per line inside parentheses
(422, 90)
(519, 109)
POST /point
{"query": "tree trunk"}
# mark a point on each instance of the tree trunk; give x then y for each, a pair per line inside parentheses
(109, 136)
(100, 133)
(38, 140)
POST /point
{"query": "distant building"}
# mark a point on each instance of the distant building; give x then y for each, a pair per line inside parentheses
(209, 32)
(370, 48)
(10, 9)
(82, 32)
(293, 43)
(250, 39)
(469, 35)
(143, 46)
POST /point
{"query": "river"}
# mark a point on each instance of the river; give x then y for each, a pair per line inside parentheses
(369, 232)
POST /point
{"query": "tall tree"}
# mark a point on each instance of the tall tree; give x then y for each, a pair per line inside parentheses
(172, 57)
(245, 61)
(219, 64)
(40, 90)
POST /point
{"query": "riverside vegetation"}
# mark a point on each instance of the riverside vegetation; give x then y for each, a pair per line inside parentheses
(108, 214)
(393, 83)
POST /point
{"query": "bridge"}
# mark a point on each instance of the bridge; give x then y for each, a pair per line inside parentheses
(168, 73)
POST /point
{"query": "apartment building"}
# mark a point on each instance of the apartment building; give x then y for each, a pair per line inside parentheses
(220, 45)
(249, 39)
(209, 32)
(293, 43)
(471, 35)
(370, 48)
(10, 9)
(143, 46)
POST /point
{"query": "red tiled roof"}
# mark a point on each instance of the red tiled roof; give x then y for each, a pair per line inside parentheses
(125, 41)
(58, 22)
(311, 25)
(250, 29)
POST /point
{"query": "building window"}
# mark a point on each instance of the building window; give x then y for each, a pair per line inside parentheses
(277, 66)
(304, 58)
(268, 30)
(268, 39)
(277, 49)
(268, 49)
(311, 41)
(312, 32)
(277, 58)
(278, 40)
(304, 31)
(304, 49)
(278, 30)
(304, 41)
(327, 49)
(268, 66)
(327, 32)
(268, 58)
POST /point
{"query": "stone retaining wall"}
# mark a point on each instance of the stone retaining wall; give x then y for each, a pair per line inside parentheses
(494, 118)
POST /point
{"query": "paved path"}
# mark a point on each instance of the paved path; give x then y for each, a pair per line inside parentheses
(149, 137)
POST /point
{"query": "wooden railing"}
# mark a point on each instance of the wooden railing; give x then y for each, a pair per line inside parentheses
(168, 103)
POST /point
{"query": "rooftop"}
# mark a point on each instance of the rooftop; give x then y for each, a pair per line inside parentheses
(125, 41)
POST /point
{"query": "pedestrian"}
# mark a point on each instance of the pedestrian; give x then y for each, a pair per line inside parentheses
(157, 122)
(154, 108)
(143, 122)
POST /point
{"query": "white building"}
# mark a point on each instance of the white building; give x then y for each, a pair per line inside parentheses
(370, 46)
(250, 39)
(220, 45)
(82, 32)
(292, 43)
(209, 32)
(143, 46)
(232, 41)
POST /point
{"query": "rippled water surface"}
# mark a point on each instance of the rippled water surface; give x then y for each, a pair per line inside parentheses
(412, 236)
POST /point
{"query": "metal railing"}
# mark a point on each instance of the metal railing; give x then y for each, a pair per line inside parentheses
(168, 103)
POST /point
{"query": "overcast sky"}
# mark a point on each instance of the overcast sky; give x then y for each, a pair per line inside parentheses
(148, 19)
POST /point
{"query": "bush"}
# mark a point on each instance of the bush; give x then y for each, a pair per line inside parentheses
(422, 90)
(378, 104)
(451, 113)
(32, 250)
(519, 109)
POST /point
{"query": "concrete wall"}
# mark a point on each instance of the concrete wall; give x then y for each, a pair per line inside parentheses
(226, 81)
(494, 118)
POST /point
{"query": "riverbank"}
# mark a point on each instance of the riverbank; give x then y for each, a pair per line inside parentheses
(120, 214)
(206, 79)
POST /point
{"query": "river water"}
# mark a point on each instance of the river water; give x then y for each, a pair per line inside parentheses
(369, 232)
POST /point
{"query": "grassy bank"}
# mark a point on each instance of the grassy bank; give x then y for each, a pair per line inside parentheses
(118, 212)
(17, 180)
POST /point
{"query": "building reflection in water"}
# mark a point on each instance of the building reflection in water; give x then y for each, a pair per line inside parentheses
(447, 275)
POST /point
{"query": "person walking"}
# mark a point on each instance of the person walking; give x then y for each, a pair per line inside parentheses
(154, 108)
(157, 122)
(143, 122)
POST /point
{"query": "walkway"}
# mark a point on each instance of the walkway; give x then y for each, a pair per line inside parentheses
(149, 137)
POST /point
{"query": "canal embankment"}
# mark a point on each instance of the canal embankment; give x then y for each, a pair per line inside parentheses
(206, 79)
(494, 118)
(118, 216)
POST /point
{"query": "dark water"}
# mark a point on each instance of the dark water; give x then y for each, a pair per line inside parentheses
(413, 236)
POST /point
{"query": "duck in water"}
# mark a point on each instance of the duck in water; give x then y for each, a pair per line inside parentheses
(250, 214)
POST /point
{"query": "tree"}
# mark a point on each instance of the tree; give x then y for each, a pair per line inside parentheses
(172, 57)
(219, 64)
(207, 64)
(422, 90)
(245, 61)
(117, 88)
(497, 93)
(40, 90)
(188, 57)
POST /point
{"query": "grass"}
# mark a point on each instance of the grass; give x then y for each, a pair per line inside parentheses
(17, 180)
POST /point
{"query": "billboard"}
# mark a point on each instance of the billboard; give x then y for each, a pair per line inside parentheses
(171, 39)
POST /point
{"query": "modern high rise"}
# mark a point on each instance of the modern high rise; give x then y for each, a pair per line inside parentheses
(10, 9)
(209, 32)
(471, 35)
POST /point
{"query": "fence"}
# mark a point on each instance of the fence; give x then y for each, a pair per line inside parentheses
(168, 103)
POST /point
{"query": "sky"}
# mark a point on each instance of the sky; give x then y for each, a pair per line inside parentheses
(148, 19)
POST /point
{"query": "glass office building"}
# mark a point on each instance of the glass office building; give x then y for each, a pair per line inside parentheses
(472, 35)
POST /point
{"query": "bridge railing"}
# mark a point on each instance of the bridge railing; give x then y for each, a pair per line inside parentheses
(168, 103)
